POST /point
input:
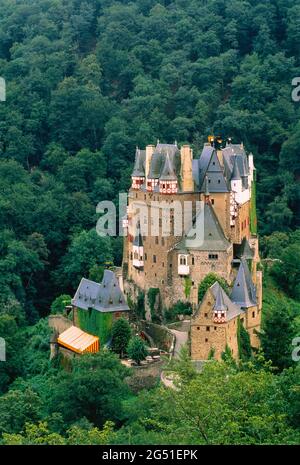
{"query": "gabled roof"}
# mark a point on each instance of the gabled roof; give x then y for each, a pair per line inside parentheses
(219, 303)
(210, 238)
(235, 153)
(203, 162)
(139, 164)
(209, 165)
(168, 173)
(78, 341)
(243, 292)
(232, 310)
(244, 250)
(104, 297)
(236, 175)
(159, 165)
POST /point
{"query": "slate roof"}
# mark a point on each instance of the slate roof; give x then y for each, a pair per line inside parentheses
(209, 165)
(219, 303)
(165, 162)
(211, 238)
(235, 175)
(243, 292)
(232, 154)
(104, 297)
(139, 164)
(243, 250)
(232, 309)
(168, 173)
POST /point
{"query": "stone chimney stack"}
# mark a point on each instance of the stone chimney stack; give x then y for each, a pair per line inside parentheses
(186, 154)
(149, 153)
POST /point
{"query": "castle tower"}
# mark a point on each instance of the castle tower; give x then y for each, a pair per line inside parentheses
(217, 239)
(186, 154)
(149, 153)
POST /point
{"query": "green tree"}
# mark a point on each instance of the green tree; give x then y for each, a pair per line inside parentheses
(277, 334)
(137, 350)
(208, 281)
(59, 304)
(121, 333)
(243, 339)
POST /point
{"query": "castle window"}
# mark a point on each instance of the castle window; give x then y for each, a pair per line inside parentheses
(206, 340)
(207, 328)
(209, 181)
(154, 258)
(163, 264)
(170, 265)
(213, 256)
(212, 201)
(219, 181)
(198, 328)
(162, 281)
(183, 260)
(253, 314)
(193, 260)
(215, 328)
(206, 315)
(145, 256)
(130, 255)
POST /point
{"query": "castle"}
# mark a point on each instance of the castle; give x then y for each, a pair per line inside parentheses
(222, 182)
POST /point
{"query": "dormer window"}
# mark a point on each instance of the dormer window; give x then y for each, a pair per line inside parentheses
(137, 182)
(168, 187)
(219, 316)
(151, 184)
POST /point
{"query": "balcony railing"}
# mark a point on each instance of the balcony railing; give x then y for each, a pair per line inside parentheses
(183, 270)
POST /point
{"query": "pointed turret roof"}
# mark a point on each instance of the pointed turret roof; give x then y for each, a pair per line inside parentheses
(168, 172)
(244, 250)
(243, 292)
(219, 303)
(222, 302)
(211, 236)
(162, 168)
(138, 240)
(236, 175)
(139, 164)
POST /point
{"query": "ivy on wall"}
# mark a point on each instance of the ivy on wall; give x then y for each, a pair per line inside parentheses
(253, 217)
(187, 286)
(96, 323)
(152, 293)
(243, 340)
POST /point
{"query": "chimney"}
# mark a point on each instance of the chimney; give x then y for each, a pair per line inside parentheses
(149, 153)
(186, 154)
(220, 157)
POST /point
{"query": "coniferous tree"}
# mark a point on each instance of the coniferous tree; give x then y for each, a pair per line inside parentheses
(121, 333)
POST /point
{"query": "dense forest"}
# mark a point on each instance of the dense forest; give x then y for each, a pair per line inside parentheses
(86, 82)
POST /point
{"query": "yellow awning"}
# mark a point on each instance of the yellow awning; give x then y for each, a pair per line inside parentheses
(77, 340)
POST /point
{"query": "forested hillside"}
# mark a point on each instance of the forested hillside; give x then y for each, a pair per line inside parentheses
(87, 81)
